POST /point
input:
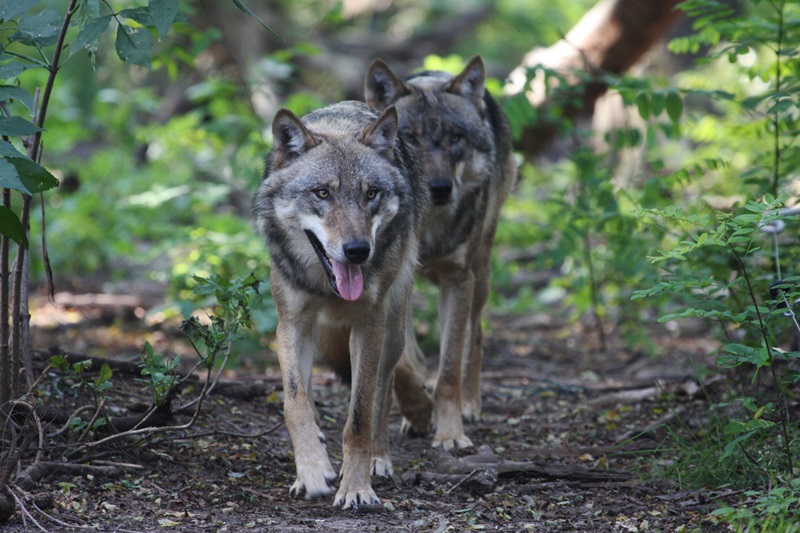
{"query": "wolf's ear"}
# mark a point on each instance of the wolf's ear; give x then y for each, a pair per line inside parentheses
(471, 83)
(289, 138)
(382, 87)
(382, 133)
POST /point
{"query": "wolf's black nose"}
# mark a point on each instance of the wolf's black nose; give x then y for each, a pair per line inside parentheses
(356, 251)
(440, 190)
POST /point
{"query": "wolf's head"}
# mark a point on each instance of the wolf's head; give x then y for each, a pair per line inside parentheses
(332, 188)
(445, 116)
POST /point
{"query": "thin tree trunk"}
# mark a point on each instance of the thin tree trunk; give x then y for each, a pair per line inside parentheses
(17, 318)
(5, 354)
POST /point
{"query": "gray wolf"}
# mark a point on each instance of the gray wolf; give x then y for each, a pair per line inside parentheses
(340, 208)
(465, 145)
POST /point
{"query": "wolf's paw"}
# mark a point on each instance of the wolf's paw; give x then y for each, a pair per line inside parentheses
(417, 411)
(408, 427)
(448, 443)
(313, 483)
(471, 411)
(356, 499)
(381, 466)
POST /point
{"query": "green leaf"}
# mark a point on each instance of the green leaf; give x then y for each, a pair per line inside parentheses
(104, 375)
(11, 9)
(643, 104)
(781, 106)
(60, 362)
(241, 6)
(163, 13)
(34, 177)
(674, 106)
(7, 150)
(90, 33)
(11, 92)
(134, 45)
(39, 30)
(17, 126)
(140, 14)
(656, 103)
(11, 226)
(12, 69)
(88, 10)
(9, 177)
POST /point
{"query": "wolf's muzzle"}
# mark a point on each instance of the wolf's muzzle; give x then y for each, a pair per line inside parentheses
(346, 279)
(441, 189)
(356, 251)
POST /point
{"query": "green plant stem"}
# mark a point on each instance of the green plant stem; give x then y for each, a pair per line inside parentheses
(19, 329)
(593, 290)
(51, 79)
(784, 404)
(776, 122)
(26, 58)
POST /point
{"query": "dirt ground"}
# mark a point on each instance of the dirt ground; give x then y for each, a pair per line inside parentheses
(570, 440)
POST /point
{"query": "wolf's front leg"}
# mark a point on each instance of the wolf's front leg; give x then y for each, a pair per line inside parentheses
(314, 472)
(454, 309)
(366, 341)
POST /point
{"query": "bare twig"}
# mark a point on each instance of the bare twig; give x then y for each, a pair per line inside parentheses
(463, 480)
(72, 415)
(235, 434)
(28, 477)
(59, 522)
(16, 451)
(213, 383)
(138, 430)
(24, 510)
(100, 409)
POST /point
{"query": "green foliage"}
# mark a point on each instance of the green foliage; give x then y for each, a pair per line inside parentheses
(35, 39)
(126, 215)
(232, 298)
(161, 373)
(99, 385)
(760, 120)
(598, 239)
(716, 263)
(736, 302)
(774, 510)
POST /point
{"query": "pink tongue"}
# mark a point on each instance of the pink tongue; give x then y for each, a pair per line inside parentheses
(349, 281)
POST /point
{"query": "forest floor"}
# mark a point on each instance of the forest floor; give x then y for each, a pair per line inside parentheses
(572, 439)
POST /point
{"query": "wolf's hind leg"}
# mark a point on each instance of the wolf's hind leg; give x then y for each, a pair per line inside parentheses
(473, 352)
(415, 404)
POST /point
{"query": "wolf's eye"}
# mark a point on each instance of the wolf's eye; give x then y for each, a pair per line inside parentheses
(322, 193)
(456, 138)
(372, 193)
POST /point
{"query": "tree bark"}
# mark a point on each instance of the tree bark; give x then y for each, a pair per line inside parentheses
(609, 39)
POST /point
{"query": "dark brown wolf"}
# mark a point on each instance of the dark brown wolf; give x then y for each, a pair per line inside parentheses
(464, 142)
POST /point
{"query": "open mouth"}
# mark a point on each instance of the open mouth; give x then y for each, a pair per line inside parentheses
(345, 279)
